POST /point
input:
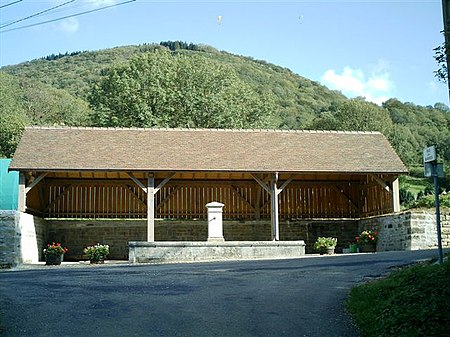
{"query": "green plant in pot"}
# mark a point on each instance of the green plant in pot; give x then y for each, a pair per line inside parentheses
(367, 241)
(97, 253)
(54, 253)
(325, 245)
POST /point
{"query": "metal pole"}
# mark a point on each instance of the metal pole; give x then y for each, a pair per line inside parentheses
(438, 213)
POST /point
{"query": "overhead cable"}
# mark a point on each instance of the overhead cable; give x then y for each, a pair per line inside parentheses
(65, 17)
(37, 14)
(11, 3)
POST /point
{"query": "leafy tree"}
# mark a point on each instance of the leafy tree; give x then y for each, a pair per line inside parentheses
(12, 115)
(354, 115)
(174, 90)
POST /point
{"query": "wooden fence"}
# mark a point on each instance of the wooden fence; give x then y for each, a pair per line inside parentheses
(187, 200)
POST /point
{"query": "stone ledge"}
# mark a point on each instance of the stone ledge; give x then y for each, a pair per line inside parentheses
(143, 252)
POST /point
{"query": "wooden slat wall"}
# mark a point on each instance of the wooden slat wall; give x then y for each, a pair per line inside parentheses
(187, 201)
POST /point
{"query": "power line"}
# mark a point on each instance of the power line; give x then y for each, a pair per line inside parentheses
(37, 14)
(66, 17)
(11, 3)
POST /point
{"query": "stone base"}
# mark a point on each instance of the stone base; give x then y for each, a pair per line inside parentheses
(144, 252)
(220, 239)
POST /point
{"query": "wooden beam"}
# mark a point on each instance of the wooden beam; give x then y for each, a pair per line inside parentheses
(22, 195)
(341, 192)
(35, 182)
(381, 183)
(258, 202)
(151, 208)
(137, 181)
(395, 196)
(262, 183)
(140, 200)
(287, 182)
(164, 182)
(242, 197)
(167, 198)
(66, 189)
(274, 209)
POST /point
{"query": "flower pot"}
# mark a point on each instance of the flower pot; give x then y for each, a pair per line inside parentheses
(368, 248)
(326, 250)
(99, 261)
(53, 259)
(353, 248)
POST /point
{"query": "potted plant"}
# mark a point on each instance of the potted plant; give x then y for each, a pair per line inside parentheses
(54, 253)
(353, 247)
(367, 241)
(325, 244)
(97, 253)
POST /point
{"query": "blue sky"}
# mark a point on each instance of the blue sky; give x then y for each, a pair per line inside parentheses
(376, 49)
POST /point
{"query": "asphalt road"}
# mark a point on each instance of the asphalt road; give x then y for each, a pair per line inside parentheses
(300, 297)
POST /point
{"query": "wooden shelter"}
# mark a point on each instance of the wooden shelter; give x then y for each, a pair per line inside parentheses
(172, 173)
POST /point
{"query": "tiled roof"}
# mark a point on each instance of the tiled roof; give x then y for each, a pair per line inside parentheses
(69, 149)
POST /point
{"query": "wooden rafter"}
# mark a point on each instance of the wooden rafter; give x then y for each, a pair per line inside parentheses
(167, 198)
(35, 182)
(136, 196)
(62, 194)
(340, 191)
(242, 197)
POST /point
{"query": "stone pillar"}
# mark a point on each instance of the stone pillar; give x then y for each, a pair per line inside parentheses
(215, 226)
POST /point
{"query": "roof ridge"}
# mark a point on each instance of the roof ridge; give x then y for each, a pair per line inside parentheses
(260, 130)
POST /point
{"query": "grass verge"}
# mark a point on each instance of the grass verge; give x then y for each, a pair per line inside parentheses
(413, 301)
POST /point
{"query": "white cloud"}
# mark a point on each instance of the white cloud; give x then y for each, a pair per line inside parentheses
(376, 88)
(69, 25)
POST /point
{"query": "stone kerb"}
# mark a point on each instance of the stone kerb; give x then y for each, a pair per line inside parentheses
(145, 252)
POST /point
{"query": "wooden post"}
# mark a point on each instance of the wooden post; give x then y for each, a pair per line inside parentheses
(151, 208)
(22, 197)
(395, 196)
(274, 214)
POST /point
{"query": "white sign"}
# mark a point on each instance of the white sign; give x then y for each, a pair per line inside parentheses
(429, 154)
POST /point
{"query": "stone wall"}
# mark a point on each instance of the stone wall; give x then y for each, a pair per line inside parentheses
(77, 234)
(22, 238)
(408, 230)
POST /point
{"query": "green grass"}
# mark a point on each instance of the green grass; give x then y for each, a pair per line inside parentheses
(415, 185)
(413, 301)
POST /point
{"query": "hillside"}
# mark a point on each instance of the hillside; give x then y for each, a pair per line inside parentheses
(190, 83)
(299, 99)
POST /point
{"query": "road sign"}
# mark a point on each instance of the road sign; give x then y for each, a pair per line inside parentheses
(429, 154)
(429, 171)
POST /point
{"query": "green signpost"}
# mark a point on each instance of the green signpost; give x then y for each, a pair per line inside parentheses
(435, 170)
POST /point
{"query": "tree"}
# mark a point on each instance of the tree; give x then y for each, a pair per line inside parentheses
(175, 90)
(12, 115)
(440, 55)
(354, 115)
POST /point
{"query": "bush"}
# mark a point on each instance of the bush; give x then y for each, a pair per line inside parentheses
(410, 302)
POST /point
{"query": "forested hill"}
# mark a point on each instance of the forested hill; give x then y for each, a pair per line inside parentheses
(174, 84)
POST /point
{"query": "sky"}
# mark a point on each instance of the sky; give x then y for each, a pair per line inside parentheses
(374, 49)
